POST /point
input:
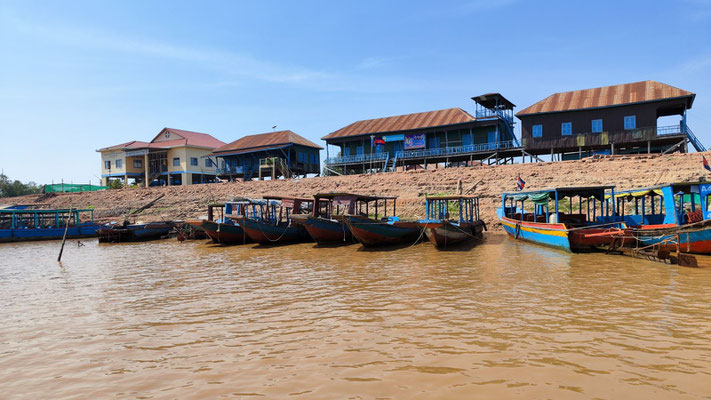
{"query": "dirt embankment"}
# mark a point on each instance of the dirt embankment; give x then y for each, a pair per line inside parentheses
(487, 182)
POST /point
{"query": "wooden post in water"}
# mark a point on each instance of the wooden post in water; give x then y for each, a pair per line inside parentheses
(64, 238)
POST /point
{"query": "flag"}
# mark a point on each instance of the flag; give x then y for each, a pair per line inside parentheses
(379, 141)
(520, 183)
(706, 164)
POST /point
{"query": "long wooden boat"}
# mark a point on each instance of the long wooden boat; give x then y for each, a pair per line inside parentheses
(326, 225)
(584, 230)
(225, 232)
(382, 230)
(374, 233)
(442, 231)
(19, 224)
(673, 217)
(115, 233)
(270, 222)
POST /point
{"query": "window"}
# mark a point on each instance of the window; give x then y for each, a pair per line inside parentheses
(630, 122)
(193, 161)
(596, 126)
(176, 161)
(107, 164)
(537, 131)
(566, 128)
(119, 163)
(137, 163)
(301, 157)
(208, 162)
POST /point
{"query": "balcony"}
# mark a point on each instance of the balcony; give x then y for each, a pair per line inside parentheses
(488, 113)
(455, 151)
(357, 159)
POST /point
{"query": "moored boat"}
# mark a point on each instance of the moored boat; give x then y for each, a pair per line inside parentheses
(326, 225)
(226, 229)
(388, 230)
(547, 222)
(673, 217)
(117, 233)
(20, 223)
(269, 222)
(444, 231)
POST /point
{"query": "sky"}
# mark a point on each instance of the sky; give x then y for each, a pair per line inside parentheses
(76, 76)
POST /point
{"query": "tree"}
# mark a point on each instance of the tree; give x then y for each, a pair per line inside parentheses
(9, 188)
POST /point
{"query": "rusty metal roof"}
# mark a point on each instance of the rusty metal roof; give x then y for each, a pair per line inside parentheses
(264, 141)
(608, 96)
(491, 100)
(407, 122)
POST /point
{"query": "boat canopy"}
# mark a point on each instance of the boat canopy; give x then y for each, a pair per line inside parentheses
(542, 196)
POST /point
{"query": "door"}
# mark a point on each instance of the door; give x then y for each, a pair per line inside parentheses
(466, 139)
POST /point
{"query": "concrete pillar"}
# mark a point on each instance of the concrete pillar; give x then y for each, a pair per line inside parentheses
(186, 178)
(146, 171)
(168, 178)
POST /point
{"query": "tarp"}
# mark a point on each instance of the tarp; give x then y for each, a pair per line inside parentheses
(639, 193)
(69, 187)
(537, 198)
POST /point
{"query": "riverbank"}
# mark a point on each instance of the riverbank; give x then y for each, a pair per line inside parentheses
(487, 182)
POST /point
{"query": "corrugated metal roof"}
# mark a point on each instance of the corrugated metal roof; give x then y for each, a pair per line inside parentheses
(196, 139)
(181, 138)
(262, 141)
(407, 122)
(607, 96)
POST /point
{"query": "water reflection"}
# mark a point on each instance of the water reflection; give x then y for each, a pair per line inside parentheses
(196, 320)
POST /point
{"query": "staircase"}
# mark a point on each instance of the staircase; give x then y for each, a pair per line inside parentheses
(694, 140)
(509, 129)
(385, 164)
(393, 164)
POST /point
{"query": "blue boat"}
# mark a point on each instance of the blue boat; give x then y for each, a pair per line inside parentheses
(19, 224)
(673, 217)
(569, 218)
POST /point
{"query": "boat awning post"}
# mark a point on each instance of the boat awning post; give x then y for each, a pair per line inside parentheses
(557, 216)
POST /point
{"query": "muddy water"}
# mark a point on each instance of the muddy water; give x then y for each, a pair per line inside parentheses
(500, 320)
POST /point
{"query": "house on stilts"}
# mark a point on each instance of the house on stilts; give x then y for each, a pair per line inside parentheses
(447, 138)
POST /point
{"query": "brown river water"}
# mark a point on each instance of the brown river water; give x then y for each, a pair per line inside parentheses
(196, 321)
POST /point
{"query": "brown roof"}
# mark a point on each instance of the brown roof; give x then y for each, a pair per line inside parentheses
(134, 144)
(196, 139)
(263, 141)
(607, 96)
(405, 122)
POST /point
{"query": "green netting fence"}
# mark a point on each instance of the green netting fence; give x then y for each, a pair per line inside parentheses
(72, 187)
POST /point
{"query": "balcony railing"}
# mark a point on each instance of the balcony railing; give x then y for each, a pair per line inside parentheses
(453, 151)
(360, 158)
(487, 113)
(671, 130)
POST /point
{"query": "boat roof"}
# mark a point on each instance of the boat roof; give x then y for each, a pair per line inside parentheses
(294, 198)
(43, 211)
(362, 197)
(565, 189)
(451, 197)
(654, 187)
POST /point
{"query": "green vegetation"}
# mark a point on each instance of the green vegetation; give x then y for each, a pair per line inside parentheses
(115, 184)
(9, 188)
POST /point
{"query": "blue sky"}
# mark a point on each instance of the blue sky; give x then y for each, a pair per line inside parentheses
(77, 76)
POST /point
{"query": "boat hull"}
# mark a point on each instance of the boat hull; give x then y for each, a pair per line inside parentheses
(443, 234)
(224, 233)
(372, 233)
(552, 235)
(693, 238)
(134, 233)
(23, 235)
(267, 234)
(327, 231)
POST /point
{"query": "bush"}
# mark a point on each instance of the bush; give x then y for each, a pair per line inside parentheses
(115, 184)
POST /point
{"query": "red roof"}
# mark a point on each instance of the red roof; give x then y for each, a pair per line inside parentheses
(263, 141)
(168, 138)
(607, 96)
(407, 122)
